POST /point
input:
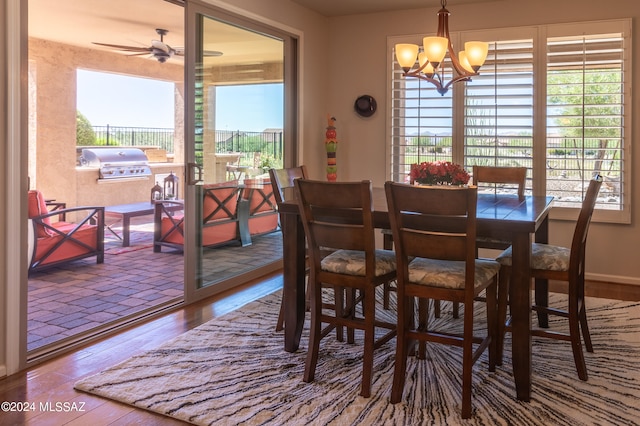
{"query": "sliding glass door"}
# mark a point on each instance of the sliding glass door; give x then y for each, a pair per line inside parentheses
(238, 125)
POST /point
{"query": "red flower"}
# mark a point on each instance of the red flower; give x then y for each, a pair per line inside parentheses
(439, 173)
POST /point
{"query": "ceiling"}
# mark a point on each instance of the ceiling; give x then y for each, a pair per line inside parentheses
(134, 23)
(351, 7)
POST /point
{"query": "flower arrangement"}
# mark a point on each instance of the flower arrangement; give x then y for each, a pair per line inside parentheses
(439, 173)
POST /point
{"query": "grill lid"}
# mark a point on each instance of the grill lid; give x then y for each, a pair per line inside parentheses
(116, 162)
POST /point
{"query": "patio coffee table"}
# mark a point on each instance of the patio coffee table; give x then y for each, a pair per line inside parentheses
(124, 213)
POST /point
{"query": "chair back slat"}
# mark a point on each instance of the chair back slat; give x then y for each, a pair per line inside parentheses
(515, 176)
(336, 216)
(433, 222)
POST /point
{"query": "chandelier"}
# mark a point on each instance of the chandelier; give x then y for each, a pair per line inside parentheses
(431, 68)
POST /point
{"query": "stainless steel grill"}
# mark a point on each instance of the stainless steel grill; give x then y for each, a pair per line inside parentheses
(116, 162)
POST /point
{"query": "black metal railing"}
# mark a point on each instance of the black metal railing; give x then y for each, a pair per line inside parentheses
(264, 147)
(135, 136)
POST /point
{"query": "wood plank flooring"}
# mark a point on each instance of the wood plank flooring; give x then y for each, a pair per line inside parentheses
(52, 382)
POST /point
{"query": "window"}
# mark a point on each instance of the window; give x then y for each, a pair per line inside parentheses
(550, 98)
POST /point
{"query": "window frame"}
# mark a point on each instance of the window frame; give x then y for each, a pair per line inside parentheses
(539, 34)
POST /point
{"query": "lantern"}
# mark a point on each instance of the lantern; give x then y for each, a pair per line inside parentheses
(156, 193)
(171, 187)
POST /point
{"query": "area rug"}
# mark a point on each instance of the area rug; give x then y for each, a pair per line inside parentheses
(233, 371)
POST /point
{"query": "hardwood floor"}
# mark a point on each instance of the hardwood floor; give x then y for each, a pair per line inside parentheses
(52, 382)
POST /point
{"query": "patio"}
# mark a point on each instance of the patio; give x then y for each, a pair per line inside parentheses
(83, 295)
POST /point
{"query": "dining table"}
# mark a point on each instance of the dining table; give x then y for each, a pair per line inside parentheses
(502, 216)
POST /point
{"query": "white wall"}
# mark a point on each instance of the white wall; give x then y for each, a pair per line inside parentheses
(357, 65)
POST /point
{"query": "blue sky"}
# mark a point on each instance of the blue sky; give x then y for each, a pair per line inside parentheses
(119, 100)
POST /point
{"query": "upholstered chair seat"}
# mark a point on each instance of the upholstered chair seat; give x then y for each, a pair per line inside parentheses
(543, 256)
(352, 262)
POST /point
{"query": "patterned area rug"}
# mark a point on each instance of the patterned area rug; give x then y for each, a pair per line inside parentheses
(233, 371)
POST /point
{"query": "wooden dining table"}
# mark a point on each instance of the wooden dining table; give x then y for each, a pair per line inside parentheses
(501, 216)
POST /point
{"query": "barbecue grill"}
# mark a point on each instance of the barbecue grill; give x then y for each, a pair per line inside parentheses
(116, 162)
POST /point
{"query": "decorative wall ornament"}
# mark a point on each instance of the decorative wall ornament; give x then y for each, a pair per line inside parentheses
(365, 106)
(331, 145)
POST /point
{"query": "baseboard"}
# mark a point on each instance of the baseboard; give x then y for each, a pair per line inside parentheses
(3, 371)
(617, 279)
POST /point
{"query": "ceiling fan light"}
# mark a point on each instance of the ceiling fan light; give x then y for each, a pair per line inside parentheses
(476, 53)
(406, 55)
(435, 48)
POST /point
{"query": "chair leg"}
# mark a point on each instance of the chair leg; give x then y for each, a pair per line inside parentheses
(340, 311)
(405, 319)
(387, 244)
(369, 341)
(315, 332)
(467, 360)
(585, 328)
(503, 302)
(456, 310)
(423, 324)
(542, 299)
(492, 324)
(280, 323)
(576, 341)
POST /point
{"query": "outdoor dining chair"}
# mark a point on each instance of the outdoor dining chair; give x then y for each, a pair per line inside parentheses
(563, 264)
(338, 216)
(434, 233)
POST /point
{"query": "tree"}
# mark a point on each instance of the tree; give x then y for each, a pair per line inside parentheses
(590, 104)
(85, 136)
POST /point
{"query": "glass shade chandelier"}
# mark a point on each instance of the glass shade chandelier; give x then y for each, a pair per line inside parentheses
(434, 49)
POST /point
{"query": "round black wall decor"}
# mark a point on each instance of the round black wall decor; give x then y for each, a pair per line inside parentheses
(365, 106)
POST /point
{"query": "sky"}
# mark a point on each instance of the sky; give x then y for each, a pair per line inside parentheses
(125, 101)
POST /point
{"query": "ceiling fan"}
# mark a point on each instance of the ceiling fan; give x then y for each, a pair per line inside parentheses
(158, 49)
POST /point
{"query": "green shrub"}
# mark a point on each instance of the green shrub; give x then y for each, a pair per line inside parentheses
(85, 136)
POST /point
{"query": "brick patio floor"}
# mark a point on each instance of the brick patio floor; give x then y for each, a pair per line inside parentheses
(83, 295)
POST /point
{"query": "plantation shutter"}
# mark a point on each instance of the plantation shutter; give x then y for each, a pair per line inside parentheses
(585, 116)
(498, 108)
(421, 123)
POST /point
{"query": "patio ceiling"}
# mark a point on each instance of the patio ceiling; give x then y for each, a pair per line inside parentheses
(133, 23)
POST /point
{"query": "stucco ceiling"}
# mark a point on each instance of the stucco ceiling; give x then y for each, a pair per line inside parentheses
(134, 23)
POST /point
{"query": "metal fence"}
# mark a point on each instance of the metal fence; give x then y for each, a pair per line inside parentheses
(135, 136)
(267, 144)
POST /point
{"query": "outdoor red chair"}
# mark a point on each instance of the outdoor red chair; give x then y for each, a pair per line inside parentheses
(262, 209)
(56, 241)
(219, 218)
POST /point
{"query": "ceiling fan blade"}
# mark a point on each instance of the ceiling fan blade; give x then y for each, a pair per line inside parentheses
(179, 51)
(126, 48)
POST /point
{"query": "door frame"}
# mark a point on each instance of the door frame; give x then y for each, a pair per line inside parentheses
(193, 9)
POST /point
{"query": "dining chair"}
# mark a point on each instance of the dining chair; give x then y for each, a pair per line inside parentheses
(282, 184)
(339, 216)
(550, 262)
(491, 178)
(436, 227)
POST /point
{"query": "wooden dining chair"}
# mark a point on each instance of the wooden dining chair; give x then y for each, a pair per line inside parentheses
(491, 178)
(338, 215)
(563, 264)
(282, 184)
(436, 227)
